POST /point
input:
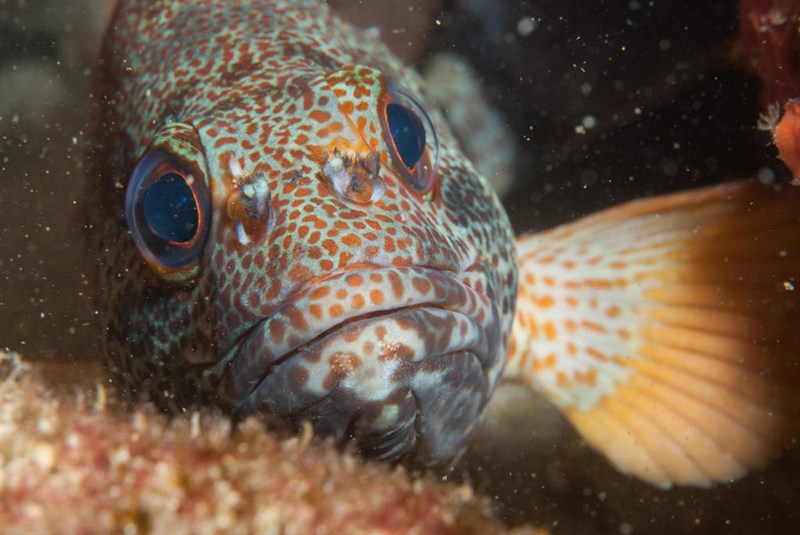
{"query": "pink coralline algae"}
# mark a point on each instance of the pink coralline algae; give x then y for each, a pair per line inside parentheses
(75, 461)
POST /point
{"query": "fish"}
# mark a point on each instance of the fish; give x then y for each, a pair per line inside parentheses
(283, 226)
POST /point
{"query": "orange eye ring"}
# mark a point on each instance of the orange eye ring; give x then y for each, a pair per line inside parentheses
(167, 210)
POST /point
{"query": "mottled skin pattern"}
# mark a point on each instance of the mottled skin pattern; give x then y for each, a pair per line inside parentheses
(382, 317)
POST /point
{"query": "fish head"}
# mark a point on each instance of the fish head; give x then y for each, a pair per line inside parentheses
(320, 250)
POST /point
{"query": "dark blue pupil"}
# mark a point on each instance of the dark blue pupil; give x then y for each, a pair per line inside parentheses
(170, 209)
(407, 133)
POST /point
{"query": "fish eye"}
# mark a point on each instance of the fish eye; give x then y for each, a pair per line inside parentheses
(167, 209)
(411, 138)
(407, 133)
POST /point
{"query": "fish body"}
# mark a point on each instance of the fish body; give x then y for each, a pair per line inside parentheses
(286, 227)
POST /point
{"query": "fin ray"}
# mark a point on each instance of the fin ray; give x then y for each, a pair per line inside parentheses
(664, 330)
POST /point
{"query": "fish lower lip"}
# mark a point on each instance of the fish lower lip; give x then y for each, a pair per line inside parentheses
(410, 375)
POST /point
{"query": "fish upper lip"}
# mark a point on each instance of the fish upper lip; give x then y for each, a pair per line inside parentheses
(255, 355)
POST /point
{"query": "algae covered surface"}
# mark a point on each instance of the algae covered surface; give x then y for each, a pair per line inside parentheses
(75, 460)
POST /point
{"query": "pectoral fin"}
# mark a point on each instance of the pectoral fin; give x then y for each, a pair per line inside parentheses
(668, 330)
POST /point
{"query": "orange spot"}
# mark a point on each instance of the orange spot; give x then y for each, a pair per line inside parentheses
(276, 331)
(358, 301)
(587, 378)
(224, 141)
(354, 280)
(397, 284)
(545, 302)
(561, 380)
(592, 352)
(296, 318)
(550, 331)
(330, 246)
(320, 292)
(351, 240)
(350, 335)
(625, 334)
(549, 281)
(320, 116)
(613, 311)
(376, 296)
(512, 349)
(421, 285)
(336, 310)
(299, 272)
(315, 311)
(533, 327)
(341, 293)
(550, 360)
(362, 91)
(600, 284)
(530, 279)
(326, 264)
(593, 326)
(344, 258)
(572, 349)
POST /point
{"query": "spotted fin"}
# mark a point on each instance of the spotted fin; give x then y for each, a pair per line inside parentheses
(668, 330)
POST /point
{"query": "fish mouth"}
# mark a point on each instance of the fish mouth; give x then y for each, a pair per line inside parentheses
(401, 359)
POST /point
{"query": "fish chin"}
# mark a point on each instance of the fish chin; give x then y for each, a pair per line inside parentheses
(406, 378)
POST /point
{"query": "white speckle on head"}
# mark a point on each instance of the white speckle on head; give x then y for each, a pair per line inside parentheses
(241, 234)
(235, 167)
(378, 189)
(335, 170)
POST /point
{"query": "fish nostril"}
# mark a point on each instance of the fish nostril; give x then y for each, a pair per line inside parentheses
(356, 178)
(249, 207)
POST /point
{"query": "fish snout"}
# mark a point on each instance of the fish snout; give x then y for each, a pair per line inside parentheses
(400, 359)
